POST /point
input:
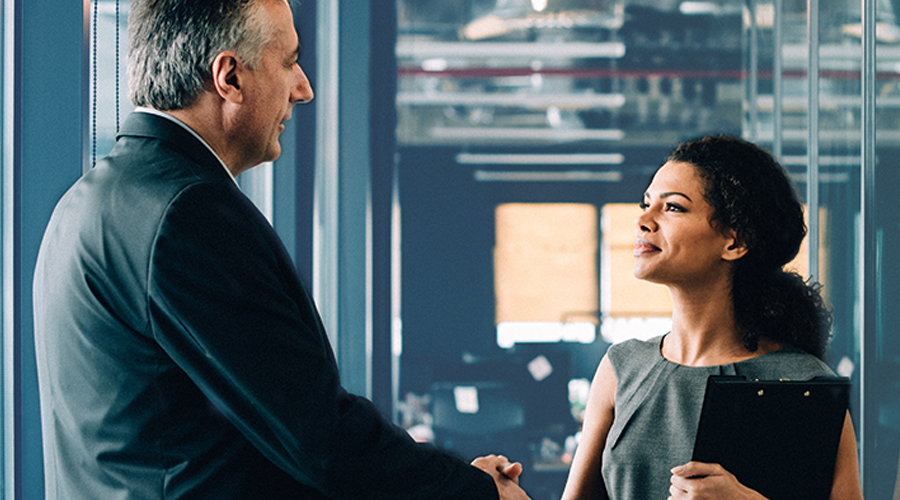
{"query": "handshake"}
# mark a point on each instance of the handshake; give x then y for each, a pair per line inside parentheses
(505, 474)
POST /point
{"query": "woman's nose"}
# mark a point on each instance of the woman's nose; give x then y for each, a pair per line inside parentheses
(645, 222)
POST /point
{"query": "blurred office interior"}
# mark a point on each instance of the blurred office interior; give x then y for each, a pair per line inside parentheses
(460, 195)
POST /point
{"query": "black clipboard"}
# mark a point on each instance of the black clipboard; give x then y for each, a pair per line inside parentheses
(779, 438)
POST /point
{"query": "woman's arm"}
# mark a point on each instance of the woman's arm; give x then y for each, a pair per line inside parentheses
(847, 485)
(585, 481)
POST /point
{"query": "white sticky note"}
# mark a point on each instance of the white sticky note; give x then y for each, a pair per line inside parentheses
(540, 368)
(466, 398)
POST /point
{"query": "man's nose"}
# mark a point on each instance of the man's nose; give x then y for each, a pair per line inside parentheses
(303, 91)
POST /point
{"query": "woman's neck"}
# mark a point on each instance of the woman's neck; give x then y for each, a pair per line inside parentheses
(705, 332)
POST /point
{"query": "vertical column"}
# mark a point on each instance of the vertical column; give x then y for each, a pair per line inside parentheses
(812, 145)
(325, 208)
(778, 80)
(48, 41)
(355, 210)
(383, 126)
(7, 236)
(343, 236)
(753, 95)
(870, 255)
(396, 326)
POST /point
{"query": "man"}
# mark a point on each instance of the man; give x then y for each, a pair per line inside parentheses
(179, 355)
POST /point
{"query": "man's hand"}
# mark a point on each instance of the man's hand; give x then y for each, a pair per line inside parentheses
(699, 481)
(505, 474)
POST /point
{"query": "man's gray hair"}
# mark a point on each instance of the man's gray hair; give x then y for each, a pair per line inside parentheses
(172, 45)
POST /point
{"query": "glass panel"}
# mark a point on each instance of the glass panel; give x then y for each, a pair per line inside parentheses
(882, 363)
(509, 102)
(520, 103)
(7, 243)
(832, 180)
(109, 79)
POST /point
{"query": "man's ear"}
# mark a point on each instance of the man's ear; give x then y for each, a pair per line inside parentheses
(736, 248)
(227, 76)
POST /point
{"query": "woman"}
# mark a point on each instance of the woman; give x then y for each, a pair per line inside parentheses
(720, 220)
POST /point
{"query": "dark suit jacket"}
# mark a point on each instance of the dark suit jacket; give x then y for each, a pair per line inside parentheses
(180, 356)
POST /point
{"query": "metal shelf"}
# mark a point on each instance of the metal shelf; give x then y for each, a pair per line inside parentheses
(518, 99)
(419, 49)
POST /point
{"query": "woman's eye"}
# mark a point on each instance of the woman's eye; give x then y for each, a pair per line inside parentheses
(674, 208)
(644, 205)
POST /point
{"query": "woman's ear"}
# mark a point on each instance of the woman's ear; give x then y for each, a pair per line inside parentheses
(736, 248)
(227, 76)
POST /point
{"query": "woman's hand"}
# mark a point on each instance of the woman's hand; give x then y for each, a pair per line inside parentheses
(505, 474)
(499, 464)
(700, 481)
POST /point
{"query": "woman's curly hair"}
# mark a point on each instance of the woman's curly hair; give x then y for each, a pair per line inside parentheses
(752, 195)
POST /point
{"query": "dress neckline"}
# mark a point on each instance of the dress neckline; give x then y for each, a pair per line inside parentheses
(659, 343)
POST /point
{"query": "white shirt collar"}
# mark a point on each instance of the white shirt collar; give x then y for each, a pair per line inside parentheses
(163, 114)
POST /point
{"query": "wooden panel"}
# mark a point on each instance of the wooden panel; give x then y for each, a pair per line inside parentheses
(545, 262)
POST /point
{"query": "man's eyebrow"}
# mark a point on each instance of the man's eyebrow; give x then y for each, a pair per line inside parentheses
(294, 55)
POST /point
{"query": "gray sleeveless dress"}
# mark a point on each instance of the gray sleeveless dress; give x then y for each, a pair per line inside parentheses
(658, 408)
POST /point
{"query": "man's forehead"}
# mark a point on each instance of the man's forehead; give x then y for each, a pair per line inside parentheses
(284, 31)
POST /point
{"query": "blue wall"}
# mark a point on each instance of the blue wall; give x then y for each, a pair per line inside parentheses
(50, 98)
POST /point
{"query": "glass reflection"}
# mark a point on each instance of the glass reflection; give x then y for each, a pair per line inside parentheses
(503, 101)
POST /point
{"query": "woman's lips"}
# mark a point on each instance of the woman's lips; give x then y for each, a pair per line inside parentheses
(642, 247)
